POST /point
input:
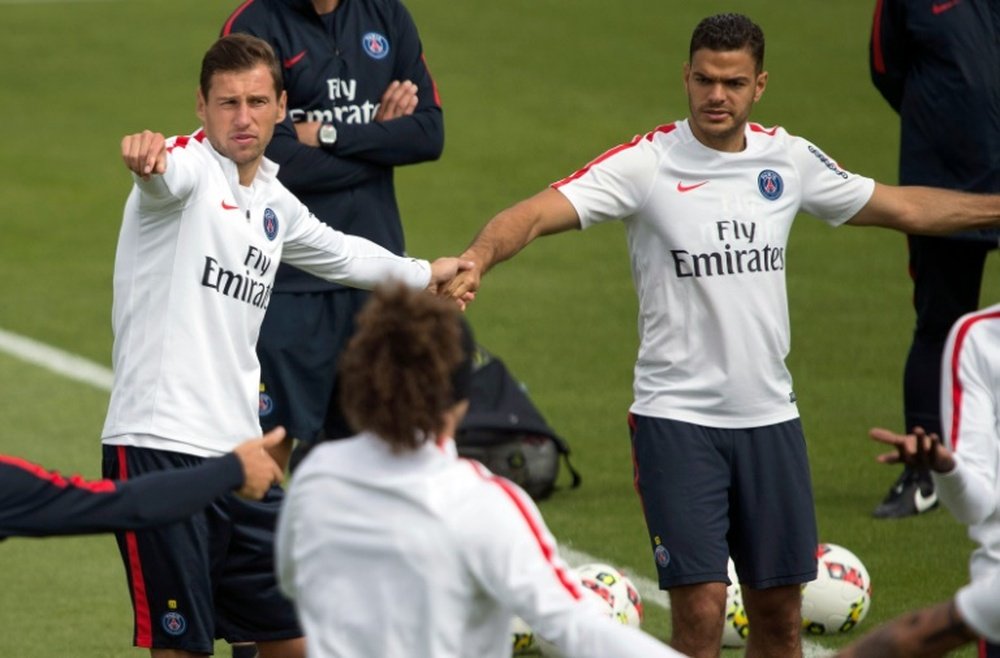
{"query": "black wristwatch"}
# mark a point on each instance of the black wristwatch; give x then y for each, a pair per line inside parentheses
(327, 135)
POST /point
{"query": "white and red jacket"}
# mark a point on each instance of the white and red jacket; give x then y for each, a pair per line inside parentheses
(194, 271)
(970, 416)
(979, 605)
(425, 554)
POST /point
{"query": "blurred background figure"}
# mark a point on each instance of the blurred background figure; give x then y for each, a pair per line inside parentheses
(938, 65)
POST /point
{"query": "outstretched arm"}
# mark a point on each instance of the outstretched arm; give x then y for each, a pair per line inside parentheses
(513, 557)
(35, 502)
(927, 210)
(145, 153)
(510, 231)
(932, 631)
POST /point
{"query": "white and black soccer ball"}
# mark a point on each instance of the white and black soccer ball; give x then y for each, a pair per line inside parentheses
(839, 598)
(737, 627)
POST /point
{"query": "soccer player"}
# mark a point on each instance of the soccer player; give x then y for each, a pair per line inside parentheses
(361, 102)
(938, 66)
(203, 231)
(392, 546)
(965, 468)
(36, 502)
(707, 203)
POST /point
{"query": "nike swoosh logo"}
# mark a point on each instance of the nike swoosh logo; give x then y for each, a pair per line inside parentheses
(681, 187)
(924, 503)
(942, 7)
(226, 206)
(292, 61)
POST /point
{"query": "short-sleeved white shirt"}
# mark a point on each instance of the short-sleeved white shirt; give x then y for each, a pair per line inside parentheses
(707, 236)
(194, 268)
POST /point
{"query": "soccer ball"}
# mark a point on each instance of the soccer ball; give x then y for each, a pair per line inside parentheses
(839, 598)
(597, 597)
(522, 639)
(605, 588)
(736, 628)
(616, 589)
(610, 591)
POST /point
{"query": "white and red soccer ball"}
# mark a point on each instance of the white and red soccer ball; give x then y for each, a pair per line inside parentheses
(834, 603)
(606, 587)
(839, 598)
(616, 589)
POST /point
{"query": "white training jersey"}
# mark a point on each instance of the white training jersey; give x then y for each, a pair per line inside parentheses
(970, 418)
(195, 263)
(421, 553)
(707, 236)
(979, 605)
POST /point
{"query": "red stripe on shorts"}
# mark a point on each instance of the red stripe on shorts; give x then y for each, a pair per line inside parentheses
(143, 619)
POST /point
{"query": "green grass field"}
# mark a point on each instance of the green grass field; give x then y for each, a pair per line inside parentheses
(532, 90)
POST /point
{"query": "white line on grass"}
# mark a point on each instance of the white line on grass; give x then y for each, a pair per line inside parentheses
(51, 358)
(82, 370)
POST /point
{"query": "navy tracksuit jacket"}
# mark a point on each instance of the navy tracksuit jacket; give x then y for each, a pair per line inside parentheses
(336, 68)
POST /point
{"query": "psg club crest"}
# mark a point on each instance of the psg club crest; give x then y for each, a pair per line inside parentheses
(376, 45)
(270, 224)
(662, 555)
(266, 404)
(174, 623)
(770, 184)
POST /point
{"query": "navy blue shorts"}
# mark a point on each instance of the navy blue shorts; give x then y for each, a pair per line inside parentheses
(300, 343)
(711, 493)
(209, 577)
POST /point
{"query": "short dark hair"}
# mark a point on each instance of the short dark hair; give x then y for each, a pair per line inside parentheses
(724, 32)
(239, 52)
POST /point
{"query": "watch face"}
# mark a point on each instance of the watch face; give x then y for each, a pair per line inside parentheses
(327, 134)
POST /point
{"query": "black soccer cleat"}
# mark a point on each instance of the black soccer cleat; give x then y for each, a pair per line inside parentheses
(912, 493)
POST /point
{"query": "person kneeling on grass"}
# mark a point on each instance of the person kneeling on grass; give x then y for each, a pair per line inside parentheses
(389, 544)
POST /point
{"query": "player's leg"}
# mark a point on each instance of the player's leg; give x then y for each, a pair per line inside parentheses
(347, 305)
(947, 278)
(296, 358)
(168, 568)
(697, 615)
(773, 534)
(249, 606)
(682, 478)
(776, 615)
